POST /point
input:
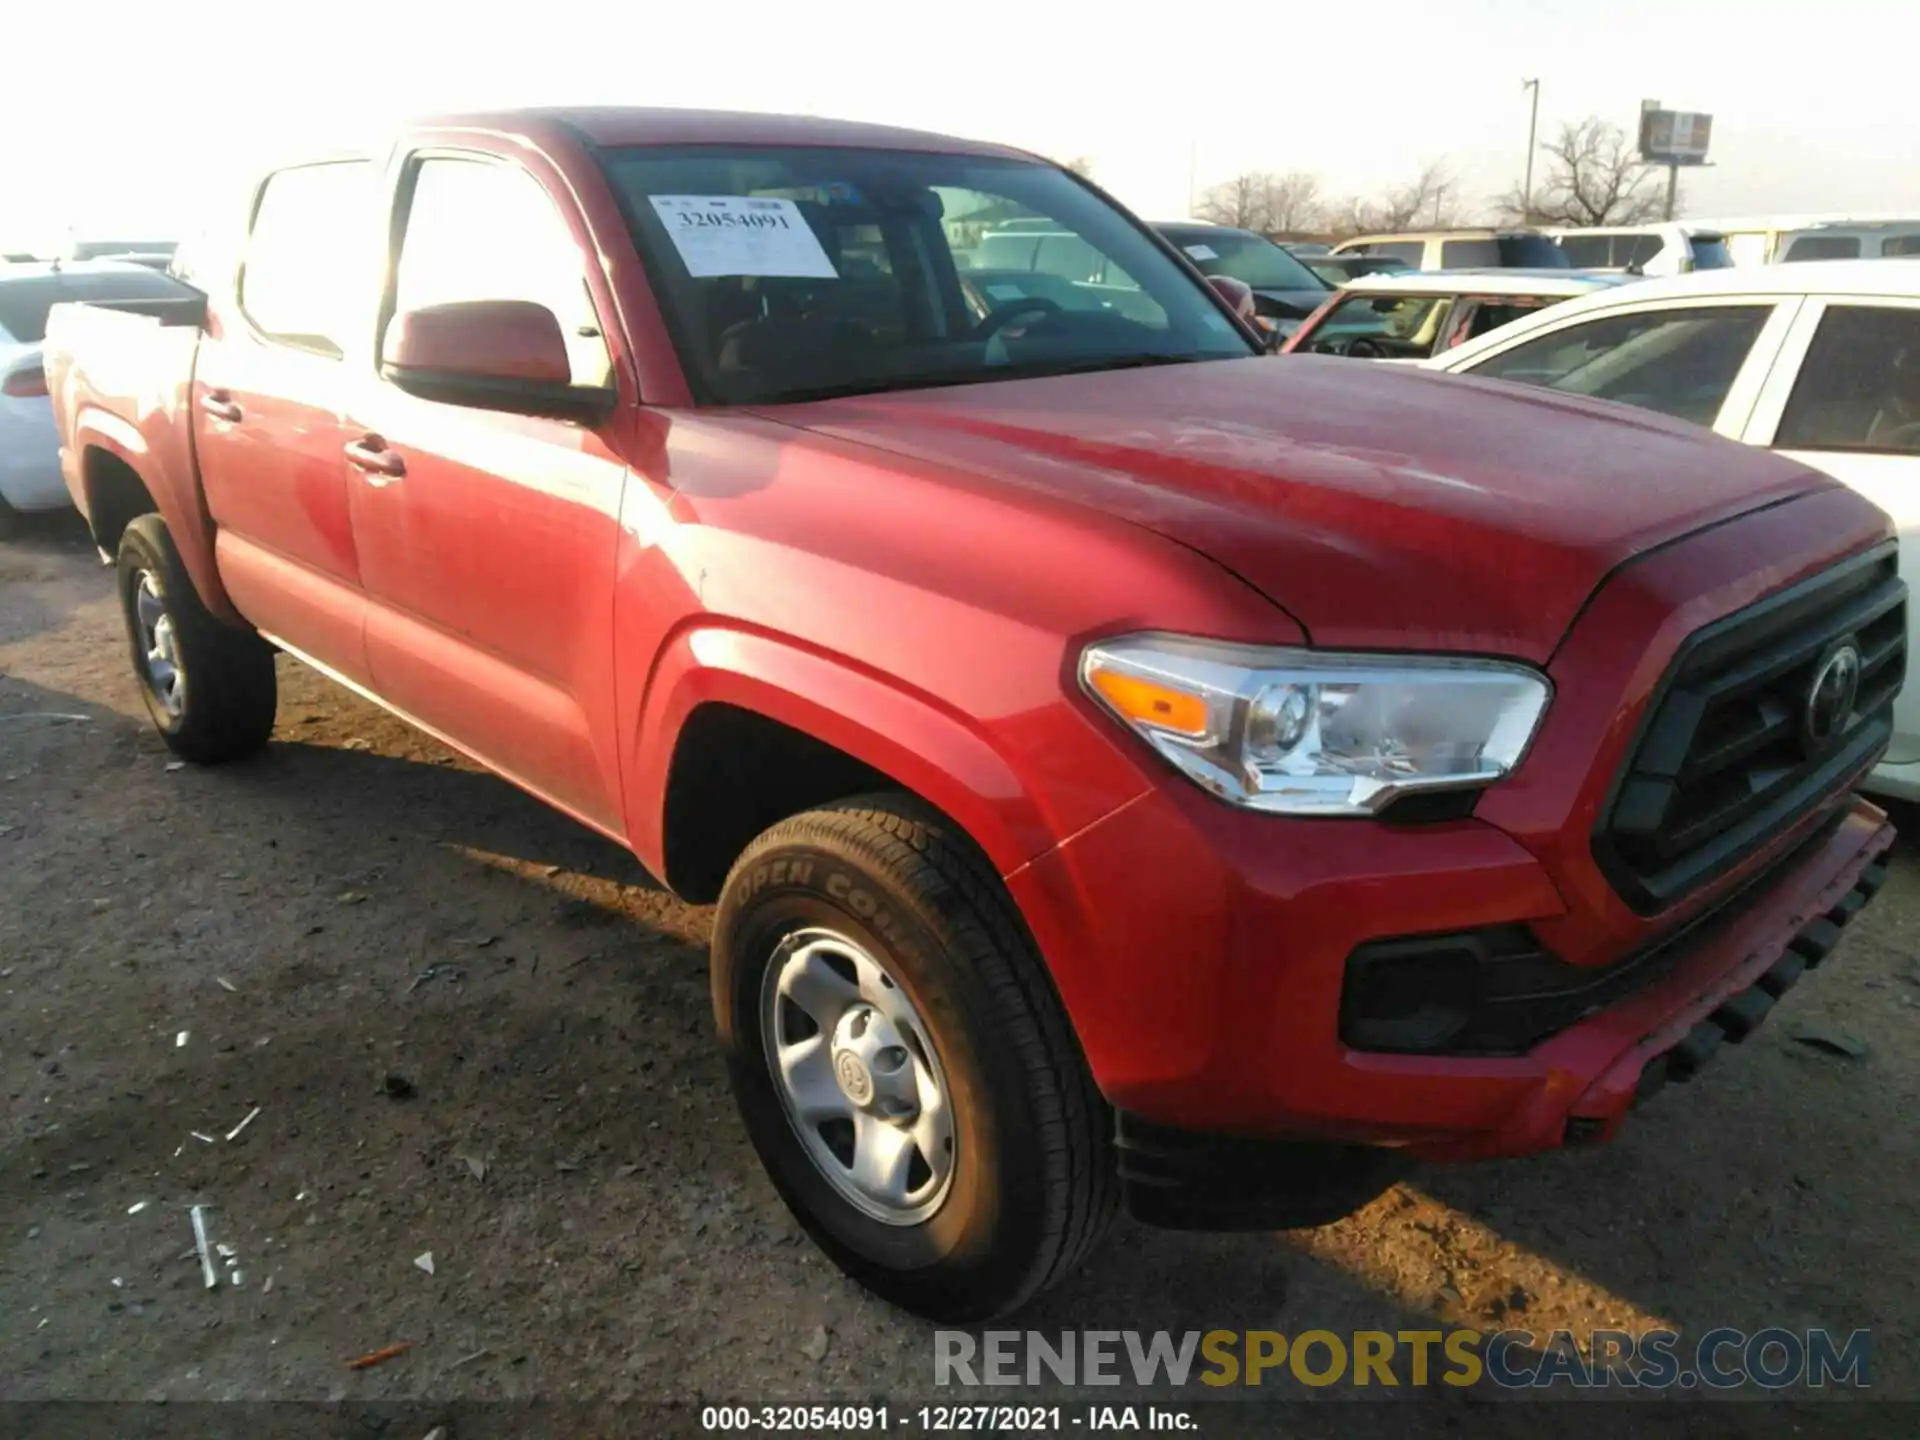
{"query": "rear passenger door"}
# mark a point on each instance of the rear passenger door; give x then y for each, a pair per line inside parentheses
(487, 545)
(1845, 398)
(269, 385)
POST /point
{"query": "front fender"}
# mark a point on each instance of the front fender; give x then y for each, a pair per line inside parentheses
(940, 756)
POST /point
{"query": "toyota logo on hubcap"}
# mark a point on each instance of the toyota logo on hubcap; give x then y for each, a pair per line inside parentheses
(1836, 684)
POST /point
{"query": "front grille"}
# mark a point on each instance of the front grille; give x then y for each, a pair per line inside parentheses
(1725, 759)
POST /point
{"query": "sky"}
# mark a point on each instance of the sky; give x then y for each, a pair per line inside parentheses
(140, 122)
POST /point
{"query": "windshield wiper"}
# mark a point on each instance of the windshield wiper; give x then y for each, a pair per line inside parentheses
(1087, 364)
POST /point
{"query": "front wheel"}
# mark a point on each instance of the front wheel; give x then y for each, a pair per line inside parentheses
(902, 1064)
(208, 687)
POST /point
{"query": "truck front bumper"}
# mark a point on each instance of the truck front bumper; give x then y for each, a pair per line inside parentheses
(1202, 953)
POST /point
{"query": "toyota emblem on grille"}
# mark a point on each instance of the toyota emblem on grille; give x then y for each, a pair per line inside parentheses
(1836, 684)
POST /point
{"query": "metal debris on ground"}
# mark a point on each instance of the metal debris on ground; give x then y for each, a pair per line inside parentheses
(203, 1139)
(207, 1272)
(225, 984)
(239, 1278)
(480, 1354)
(453, 974)
(180, 1040)
(424, 1261)
(234, 1134)
(350, 897)
(379, 1357)
(438, 1432)
(816, 1346)
(173, 765)
(476, 1167)
(266, 1287)
(1832, 1042)
(136, 1207)
(54, 715)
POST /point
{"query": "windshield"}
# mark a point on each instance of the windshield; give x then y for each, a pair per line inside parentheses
(1399, 327)
(1243, 256)
(795, 273)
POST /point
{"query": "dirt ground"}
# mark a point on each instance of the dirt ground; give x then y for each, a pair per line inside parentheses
(464, 1027)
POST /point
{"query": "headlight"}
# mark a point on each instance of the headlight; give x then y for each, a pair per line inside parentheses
(1302, 732)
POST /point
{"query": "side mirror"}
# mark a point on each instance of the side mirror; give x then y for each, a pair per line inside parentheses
(490, 354)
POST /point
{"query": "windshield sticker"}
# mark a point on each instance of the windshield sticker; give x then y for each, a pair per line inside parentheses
(1202, 252)
(742, 235)
(1005, 292)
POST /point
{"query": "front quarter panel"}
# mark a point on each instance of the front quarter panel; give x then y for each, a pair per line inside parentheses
(914, 617)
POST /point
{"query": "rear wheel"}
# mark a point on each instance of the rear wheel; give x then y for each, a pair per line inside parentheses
(902, 1064)
(208, 686)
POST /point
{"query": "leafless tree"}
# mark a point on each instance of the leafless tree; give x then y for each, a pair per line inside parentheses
(1265, 201)
(1240, 202)
(1593, 178)
(1292, 202)
(1429, 201)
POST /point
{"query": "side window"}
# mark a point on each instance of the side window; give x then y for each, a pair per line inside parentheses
(482, 230)
(1587, 252)
(1825, 247)
(1678, 362)
(1859, 387)
(1900, 245)
(1067, 256)
(1411, 251)
(305, 281)
(1469, 254)
(1637, 249)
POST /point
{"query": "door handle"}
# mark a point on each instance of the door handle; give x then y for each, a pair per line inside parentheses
(219, 404)
(382, 466)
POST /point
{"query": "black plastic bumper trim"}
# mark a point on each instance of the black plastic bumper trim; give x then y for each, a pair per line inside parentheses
(1741, 1013)
(1194, 1180)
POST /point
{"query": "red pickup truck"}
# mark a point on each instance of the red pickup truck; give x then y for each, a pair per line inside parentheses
(1127, 767)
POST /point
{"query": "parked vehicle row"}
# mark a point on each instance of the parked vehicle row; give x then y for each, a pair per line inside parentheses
(1128, 767)
(1414, 315)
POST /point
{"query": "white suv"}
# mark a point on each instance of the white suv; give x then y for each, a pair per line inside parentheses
(1659, 250)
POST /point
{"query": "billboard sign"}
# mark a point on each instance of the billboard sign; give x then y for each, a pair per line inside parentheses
(1673, 137)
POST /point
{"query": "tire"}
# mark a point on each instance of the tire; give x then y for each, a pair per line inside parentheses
(208, 686)
(1029, 1185)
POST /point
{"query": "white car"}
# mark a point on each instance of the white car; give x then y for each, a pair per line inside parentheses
(1820, 362)
(1414, 314)
(1671, 247)
(29, 444)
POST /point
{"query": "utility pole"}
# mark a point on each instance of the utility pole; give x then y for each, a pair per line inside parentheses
(1193, 174)
(1673, 187)
(1533, 129)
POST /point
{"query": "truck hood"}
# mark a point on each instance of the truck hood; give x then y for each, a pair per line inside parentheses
(1381, 507)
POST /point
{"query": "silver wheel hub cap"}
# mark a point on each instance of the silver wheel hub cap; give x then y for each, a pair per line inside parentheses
(165, 675)
(856, 1072)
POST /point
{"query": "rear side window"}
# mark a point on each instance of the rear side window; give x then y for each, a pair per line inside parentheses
(1465, 254)
(1639, 250)
(1411, 251)
(1587, 252)
(1859, 387)
(1530, 252)
(1901, 245)
(304, 281)
(1825, 247)
(1678, 362)
(482, 230)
